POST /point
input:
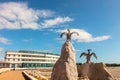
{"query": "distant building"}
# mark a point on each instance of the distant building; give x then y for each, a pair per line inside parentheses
(4, 64)
(30, 59)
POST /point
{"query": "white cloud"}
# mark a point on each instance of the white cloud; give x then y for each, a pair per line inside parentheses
(78, 50)
(1, 52)
(84, 36)
(56, 21)
(1, 49)
(4, 40)
(14, 15)
(27, 40)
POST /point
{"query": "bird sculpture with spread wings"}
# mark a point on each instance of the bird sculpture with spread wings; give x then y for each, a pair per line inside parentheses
(88, 55)
(68, 34)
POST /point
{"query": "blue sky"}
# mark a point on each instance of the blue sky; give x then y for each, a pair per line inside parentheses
(37, 25)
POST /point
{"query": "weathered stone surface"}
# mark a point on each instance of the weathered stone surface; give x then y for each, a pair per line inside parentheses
(94, 71)
(65, 68)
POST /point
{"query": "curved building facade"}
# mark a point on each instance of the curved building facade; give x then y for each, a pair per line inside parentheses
(30, 59)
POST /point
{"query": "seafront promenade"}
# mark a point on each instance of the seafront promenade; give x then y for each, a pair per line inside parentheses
(12, 75)
(33, 74)
(17, 74)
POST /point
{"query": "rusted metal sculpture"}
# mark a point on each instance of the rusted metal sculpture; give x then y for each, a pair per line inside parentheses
(68, 34)
(88, 55)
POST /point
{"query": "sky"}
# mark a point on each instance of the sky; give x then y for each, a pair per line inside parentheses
(37, 24)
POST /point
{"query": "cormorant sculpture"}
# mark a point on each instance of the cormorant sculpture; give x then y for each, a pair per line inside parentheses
(68, 34)
(88, 55)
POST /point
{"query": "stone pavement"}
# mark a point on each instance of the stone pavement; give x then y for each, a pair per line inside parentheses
(12, 75)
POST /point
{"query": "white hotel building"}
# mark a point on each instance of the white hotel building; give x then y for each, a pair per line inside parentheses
(30, 59)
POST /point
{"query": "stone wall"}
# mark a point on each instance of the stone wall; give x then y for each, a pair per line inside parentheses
(94, 71)
(65, 68)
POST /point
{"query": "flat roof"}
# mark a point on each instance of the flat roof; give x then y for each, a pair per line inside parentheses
(35, 52)
(3, 62)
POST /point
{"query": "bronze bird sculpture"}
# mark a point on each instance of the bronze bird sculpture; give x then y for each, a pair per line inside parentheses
(68, 34)
(88, 55)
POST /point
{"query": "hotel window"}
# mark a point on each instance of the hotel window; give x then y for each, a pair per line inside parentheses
(9, 55)
(8, 59)
(13, 59)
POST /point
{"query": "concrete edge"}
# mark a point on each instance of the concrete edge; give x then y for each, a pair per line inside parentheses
(3, 70)
(28, 77)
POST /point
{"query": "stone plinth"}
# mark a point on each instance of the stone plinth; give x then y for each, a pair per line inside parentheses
(65, 68)
(94, 71)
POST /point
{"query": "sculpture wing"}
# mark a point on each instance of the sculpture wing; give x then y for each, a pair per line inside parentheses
(62, 34)
(75, 33)
(94, 55)
(82, 54)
